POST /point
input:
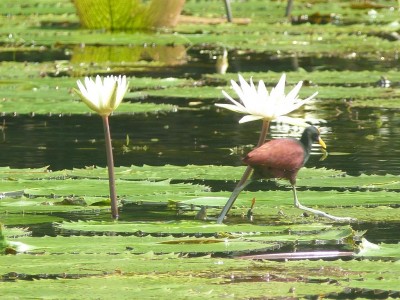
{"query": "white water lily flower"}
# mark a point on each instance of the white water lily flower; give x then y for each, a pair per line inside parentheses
(103, 96)
(258, 104)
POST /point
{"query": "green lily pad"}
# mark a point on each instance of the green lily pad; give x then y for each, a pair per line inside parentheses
(94, 187)
(81, 190)
(372, 182)
(21, 218)
(137, 245)
(184, 227)
(149, 275)
(189, 172)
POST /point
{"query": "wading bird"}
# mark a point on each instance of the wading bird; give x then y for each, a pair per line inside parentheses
(281, 158)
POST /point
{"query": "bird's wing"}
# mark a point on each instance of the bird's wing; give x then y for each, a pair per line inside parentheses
(284, 154)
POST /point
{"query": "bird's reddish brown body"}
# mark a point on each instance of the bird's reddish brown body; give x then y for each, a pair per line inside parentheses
(280, 158)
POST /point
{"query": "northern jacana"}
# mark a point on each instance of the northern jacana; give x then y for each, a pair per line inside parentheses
(282, 158)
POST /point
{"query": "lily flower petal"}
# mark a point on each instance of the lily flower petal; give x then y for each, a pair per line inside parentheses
(233, 101)
(103, 95)
(249, 118)
(295, 91)
(232, 107)
(257, 103)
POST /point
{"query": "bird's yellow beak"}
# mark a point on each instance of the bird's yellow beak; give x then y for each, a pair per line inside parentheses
(322, 143)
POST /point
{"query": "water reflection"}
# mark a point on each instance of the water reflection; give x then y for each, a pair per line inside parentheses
(122, 55)
(157, 60)
(221, 62)
(192, 137)
(154, 60)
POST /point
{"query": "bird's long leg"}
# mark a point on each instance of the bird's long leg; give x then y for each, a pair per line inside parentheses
(244, 181)
(317, 212)
(232, 199)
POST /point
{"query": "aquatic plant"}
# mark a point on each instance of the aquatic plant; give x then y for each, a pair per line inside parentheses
(258, 104)
(128, 15)
(104, 96)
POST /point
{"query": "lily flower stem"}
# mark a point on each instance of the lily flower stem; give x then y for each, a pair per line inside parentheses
(110, 167)
(263, 133)
(244, 180)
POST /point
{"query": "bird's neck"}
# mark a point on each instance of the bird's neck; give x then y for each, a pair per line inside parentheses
(306, 143)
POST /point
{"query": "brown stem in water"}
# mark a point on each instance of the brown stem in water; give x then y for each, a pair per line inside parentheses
(245, 177)
(263, 133)
(110, 167)
(228, 11)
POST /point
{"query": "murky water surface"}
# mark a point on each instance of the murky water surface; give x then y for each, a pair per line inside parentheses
(189, 137)
(181, 61)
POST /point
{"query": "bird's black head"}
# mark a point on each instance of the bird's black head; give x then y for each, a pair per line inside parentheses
(311, 135)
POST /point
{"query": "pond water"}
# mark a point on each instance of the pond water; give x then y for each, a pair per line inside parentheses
(191, 137)
(182, 62)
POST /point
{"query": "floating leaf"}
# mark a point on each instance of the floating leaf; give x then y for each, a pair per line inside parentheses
(371, 250)
(184, 228)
